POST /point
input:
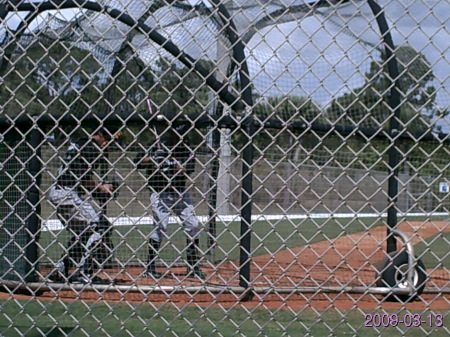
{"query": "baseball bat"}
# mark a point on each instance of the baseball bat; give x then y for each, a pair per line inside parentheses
(158, 138)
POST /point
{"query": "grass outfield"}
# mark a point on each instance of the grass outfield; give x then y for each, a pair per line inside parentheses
(267, 237)
(84, 318)
(38, 318)
(434, 252)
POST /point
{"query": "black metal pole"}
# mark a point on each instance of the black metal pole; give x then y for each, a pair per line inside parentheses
(33, 223)
(394, 126)
(247, 152)
(212, 203)
(246, 202)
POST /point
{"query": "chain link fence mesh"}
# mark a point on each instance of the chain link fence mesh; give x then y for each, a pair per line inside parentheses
(315, 157)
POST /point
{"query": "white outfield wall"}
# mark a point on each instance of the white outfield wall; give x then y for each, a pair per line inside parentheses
(54, 224)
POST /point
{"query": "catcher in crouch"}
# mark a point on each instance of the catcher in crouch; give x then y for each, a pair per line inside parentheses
(75, 179)
(168, 162)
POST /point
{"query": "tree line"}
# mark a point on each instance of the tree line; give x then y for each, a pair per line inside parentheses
(57, 77)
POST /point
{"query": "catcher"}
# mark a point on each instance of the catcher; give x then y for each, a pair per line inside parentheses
(85, 223)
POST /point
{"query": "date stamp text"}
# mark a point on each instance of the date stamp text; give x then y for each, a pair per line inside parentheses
(377, 320)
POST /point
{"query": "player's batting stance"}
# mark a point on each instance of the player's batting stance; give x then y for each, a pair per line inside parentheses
(72, 196)
(168, 161)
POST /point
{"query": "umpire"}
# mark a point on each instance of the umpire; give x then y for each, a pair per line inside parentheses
(74, 180)
(168, 162)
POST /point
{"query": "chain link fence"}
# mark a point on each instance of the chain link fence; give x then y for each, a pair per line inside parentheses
(224, 168)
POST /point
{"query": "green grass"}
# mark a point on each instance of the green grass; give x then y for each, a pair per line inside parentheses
(32, 318)
(267, 237)
(77, 318)
(434, 251)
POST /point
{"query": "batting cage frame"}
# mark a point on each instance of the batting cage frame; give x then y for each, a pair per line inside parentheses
(400, 276)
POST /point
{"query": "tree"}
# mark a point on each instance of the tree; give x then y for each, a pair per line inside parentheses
(282, 110)
(180, 88)
(22, 90)
(288, 109)
(368, 105)
(52, 77)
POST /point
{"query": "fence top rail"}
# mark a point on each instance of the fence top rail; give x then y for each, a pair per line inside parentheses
(220, 121)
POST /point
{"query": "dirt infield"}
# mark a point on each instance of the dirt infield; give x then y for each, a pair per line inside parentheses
(346, 261)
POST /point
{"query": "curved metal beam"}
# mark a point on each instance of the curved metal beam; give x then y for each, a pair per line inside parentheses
(8, 51)
(394, 125)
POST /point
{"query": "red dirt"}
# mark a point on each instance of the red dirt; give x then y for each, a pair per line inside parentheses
(346, 261)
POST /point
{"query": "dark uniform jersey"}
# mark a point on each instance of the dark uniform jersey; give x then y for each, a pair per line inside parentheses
(79, 162)
(163, 172)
